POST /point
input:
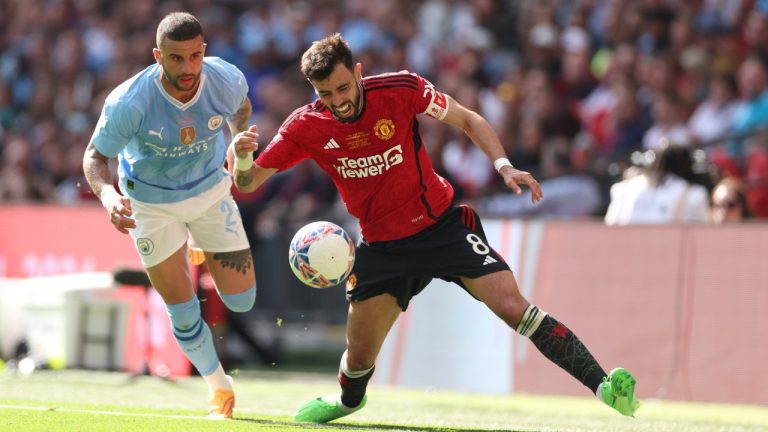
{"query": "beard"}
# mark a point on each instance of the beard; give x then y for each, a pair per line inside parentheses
(176, 82)
(355, 113)
(356, 107)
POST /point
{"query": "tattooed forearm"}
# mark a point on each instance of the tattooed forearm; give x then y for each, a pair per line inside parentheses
(239, 121)
(241, 261)
(243, 178)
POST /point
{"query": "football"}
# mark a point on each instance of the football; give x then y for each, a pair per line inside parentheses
(321, 254)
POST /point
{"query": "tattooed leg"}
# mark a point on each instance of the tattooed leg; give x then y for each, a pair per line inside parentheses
(241, 261)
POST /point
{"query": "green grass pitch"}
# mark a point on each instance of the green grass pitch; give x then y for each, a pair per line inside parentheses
(86, 401)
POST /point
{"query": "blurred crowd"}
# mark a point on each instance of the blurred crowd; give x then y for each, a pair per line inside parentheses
(583, 93)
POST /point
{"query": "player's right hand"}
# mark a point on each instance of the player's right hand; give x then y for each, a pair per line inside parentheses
(513, 177)
(119, 209)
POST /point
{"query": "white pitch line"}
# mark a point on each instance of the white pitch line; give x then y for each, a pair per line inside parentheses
(85, 411)
(182, 417)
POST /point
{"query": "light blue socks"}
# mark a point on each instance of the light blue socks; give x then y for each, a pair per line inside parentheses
(242, 302)
(193, 335)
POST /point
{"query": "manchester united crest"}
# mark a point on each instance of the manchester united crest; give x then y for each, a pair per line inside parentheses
(187, 135)
(384, 129)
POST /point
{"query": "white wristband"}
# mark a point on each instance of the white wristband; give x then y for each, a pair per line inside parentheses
(244, 164)
(501, 162)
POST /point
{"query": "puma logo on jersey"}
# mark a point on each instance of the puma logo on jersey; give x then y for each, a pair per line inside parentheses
(332, 144)
(156, 133)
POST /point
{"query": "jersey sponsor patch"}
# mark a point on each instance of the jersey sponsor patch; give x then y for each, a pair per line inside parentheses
(369, 166)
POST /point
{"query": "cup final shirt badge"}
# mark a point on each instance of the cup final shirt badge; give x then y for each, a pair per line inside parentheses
(187, 135)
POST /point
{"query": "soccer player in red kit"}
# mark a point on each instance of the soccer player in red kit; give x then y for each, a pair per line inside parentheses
(364, 132)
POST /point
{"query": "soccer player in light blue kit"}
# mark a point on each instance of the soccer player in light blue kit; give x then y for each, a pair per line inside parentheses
(165, 126)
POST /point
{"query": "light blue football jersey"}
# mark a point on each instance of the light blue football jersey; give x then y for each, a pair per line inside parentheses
(169, 151)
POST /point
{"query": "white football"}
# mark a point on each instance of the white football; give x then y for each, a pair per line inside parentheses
(321, 254)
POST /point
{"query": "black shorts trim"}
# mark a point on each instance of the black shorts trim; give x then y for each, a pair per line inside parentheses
(453, 247)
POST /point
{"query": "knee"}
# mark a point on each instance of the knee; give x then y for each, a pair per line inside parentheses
(241, 302)
(512, 310)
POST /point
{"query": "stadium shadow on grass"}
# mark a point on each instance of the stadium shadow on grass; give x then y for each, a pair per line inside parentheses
(372, 427)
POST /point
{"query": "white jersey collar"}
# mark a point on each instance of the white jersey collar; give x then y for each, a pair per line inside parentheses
(177, 103)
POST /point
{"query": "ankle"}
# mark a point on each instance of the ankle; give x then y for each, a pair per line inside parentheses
(218, 380)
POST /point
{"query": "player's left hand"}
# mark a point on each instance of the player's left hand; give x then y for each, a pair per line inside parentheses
(513, 178)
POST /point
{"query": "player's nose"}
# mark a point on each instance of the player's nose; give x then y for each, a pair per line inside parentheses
(337, 100)
(187, 68)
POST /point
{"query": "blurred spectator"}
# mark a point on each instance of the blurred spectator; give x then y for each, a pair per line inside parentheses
(570, 193)
(720, 14)
(467, 166)
(629, 120)
(756, 173)
(526, 145)
(746, 154)
(668, 125)
(729, 203)
(537, 70)
(752, 112)
(755, 30)
(655, 26)
(712, 119)
(663, 193)
(576, 81)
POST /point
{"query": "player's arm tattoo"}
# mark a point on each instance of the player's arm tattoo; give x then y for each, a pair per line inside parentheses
(243, 178)
(239, 120)
(240, 261)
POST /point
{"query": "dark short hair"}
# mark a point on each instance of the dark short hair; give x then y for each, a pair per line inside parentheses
(178, 26)
(318, 61)
(674, 159)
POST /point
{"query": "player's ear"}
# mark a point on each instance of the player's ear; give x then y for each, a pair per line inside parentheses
(358, 71)
(157, 54)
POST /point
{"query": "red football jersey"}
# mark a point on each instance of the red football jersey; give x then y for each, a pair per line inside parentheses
(378, 162)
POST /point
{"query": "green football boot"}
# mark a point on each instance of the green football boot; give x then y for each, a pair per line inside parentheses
(325, 409)
(618, 392)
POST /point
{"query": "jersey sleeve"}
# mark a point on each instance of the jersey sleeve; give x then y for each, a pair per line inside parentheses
(116, 127)
(285, 149)
(282, 152)
(429, 100)
(231, 83)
